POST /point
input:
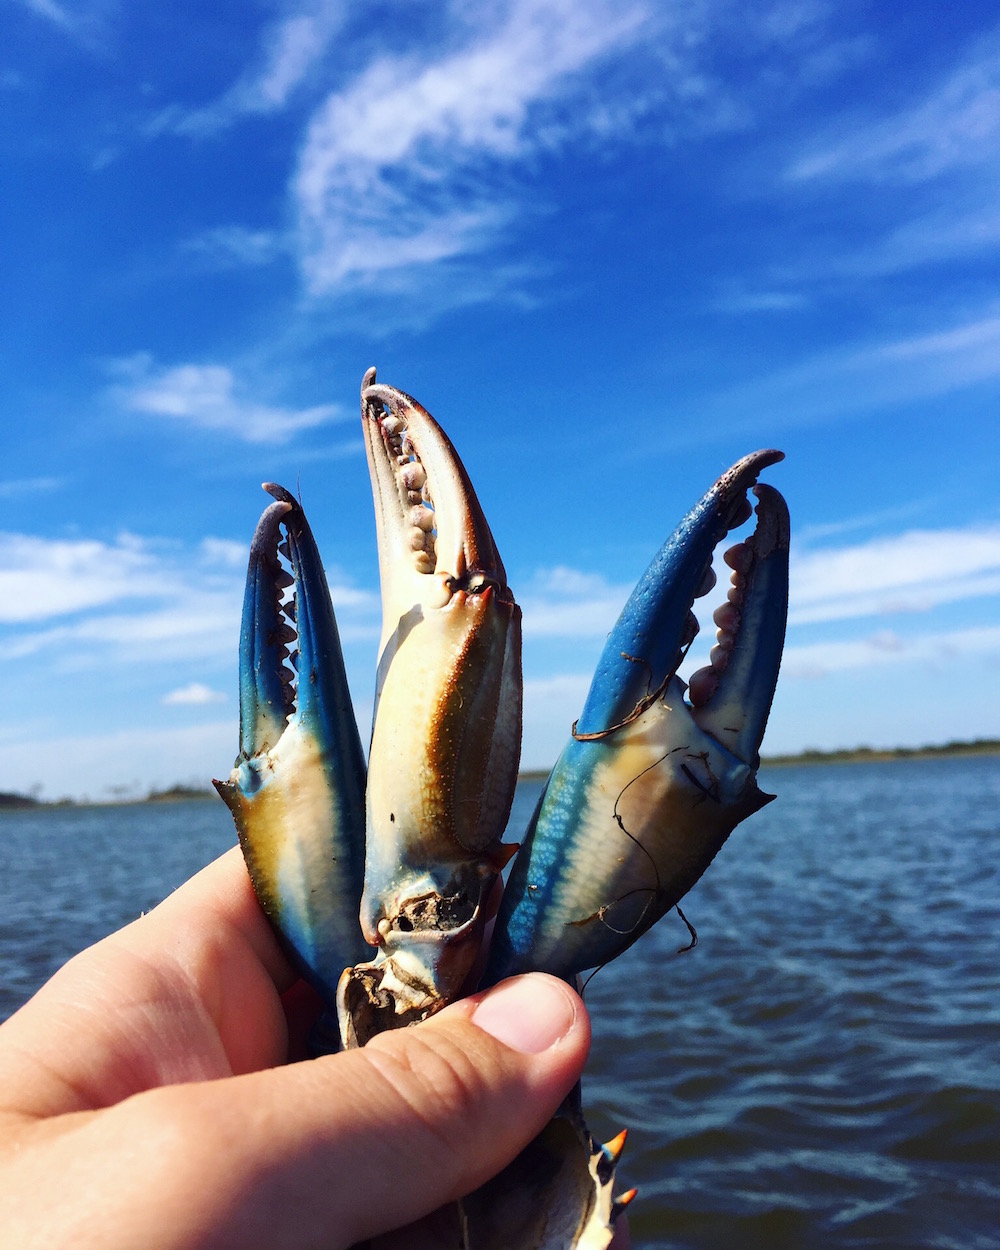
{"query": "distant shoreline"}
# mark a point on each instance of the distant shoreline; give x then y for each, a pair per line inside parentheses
(878, 755)
(12, 801)
(853, 755)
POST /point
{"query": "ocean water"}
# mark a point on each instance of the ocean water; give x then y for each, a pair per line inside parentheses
(822, 1070)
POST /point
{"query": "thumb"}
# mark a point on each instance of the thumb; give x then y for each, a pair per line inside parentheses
(475, 1085)
(329, 1152)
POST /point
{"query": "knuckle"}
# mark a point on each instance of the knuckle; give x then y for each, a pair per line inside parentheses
(441, 1090)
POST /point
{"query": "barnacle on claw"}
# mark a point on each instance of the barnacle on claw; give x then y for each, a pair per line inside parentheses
(654, 777)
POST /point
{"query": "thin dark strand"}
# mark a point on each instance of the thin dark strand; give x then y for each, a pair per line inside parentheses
(710, 792)
(691, 929)
(653, 890)
(647, 701)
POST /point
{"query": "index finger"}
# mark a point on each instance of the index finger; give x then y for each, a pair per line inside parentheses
(190, 991)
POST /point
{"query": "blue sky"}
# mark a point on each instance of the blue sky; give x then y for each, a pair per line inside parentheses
(611, 246)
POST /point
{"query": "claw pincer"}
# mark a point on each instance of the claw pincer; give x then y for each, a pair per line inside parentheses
(447, 729)
(649, 786)
(654, 778)
(297, 789)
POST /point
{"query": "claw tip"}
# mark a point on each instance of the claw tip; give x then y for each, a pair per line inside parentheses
(279, 493)
(621, 1202)
(615, 1146)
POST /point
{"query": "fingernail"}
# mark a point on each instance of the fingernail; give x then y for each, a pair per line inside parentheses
(528, 1013)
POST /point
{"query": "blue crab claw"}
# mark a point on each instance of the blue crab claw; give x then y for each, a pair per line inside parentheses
(297, 789)
(447, 729)
(652, 783)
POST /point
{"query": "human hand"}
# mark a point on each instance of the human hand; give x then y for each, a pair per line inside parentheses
(146, 1099)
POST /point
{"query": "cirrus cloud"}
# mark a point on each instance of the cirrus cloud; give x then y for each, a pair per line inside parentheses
(911, 572)
(209, 397)
(196, 694)
(400, 167)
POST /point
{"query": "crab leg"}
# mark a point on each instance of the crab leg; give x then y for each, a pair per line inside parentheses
(297, 789)
(447, 729)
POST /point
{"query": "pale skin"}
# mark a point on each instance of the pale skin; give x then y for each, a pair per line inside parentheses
(146, 1098)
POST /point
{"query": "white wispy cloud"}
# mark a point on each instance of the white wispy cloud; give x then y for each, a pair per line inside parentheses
(130, 759)
(933, 163)
(137, 599)
(814, 660)
(867, 377)
(223, 552)
(749, 302)
(205, 627)
(55, 13)
(236, 246)
(956, 125)
(18, 488)
(290, 49)
(966, 225)
(197, 694)
(880, 519)
(209, 397)
(424, 160)
(85, 22)
(565, 603)
(551, 705)
(401, 167)
(42, 579)
(911, 572)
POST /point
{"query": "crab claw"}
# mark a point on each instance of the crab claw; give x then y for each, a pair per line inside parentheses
(557, 1194)
(650, 785)
(297, 789)
(447, 728)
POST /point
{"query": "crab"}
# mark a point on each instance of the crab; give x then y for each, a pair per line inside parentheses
(654, 777)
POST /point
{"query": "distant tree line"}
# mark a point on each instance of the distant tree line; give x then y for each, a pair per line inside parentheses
(11, 800)
(812, 755)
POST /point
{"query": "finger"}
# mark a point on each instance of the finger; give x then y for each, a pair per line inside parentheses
(213, 934)
(189, 992)
(221, 897)
(354, 1144)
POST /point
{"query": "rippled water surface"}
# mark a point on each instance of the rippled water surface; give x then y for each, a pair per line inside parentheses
(823, 1070)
